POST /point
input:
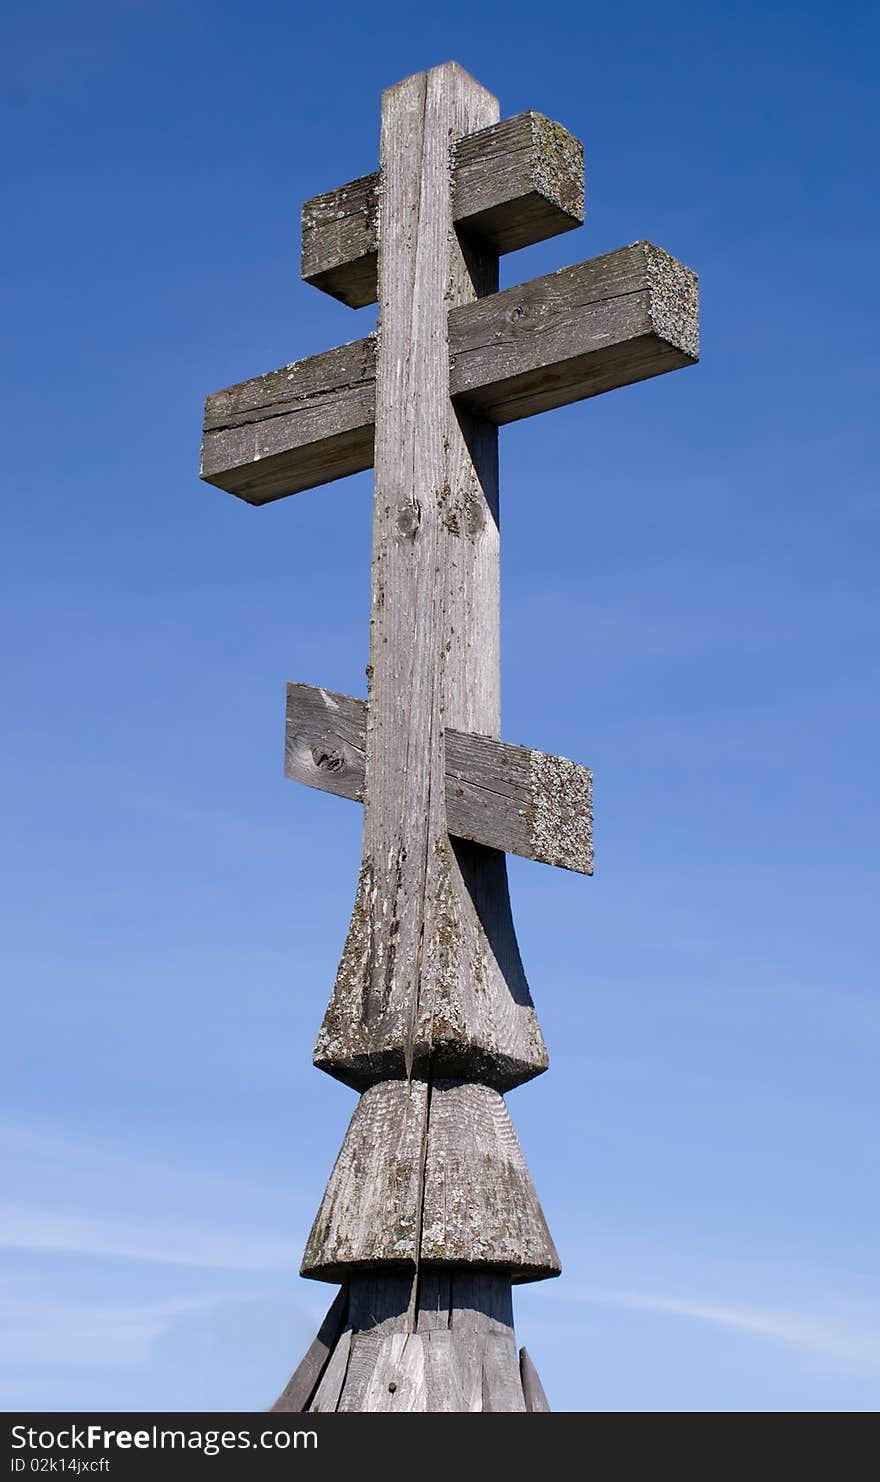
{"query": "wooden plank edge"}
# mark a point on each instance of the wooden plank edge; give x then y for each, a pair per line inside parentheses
(297, 1393)
(533, 1389)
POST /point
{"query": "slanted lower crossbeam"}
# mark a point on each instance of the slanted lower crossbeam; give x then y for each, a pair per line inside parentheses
(505, 797)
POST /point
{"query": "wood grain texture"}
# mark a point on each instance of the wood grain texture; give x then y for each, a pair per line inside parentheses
(430, 1172)
(518, 182)
(329, 1390)
(585, 330)
(340, 242)
(502, 1384)
(577, 333)
(305, 424)
(430, 974)
(298, 1391)
(509, 798)
(458, 1354)
(514, 183)
(325, 740)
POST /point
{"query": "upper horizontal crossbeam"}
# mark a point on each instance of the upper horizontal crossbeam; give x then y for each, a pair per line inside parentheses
(514, 183)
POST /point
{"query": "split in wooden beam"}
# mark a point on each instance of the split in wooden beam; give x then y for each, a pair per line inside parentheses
(514, 183)
(609, 322)
(506, 797)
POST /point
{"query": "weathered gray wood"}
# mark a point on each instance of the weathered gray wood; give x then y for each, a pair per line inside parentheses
(506, 797)
(361, 1360)
(303, 1382)
(585, 330)
(502, 1385)
(398, 1382)
(521, 801)
(533, 1389)
(443, 1380)
(481, 1301)
(305, 424)
(325, 740)
(481, 1307)
(606, 323)
(340, 241)
(471, 1299)
(327, 1395)
(430, 1213)
(455, 1352)
(426, 982)
(468, 1351)
(430, 1173)
(516, 182)
(434, 1298)
(379, 1301)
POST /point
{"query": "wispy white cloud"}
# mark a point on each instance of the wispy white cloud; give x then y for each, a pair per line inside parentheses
(26, 1227)
(39, 1332)
(64, 1195)
(852, 1340)
(38, 1153)
(47, 1329)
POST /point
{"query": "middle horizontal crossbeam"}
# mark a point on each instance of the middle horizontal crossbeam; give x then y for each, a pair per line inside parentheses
(609, 322)
(506, 797)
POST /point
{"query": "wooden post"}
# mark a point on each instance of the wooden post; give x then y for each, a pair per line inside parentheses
(430, 1215)
(421, 992)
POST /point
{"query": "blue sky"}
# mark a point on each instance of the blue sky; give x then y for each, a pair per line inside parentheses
(689, 606)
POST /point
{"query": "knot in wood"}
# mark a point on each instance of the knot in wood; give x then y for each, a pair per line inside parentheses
(409, 518)
(475, 512)
(327, 759)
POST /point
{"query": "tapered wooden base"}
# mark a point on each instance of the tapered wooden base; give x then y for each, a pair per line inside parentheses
(451, 1349)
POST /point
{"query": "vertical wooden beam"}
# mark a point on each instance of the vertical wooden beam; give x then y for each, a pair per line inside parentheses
(430, 999)
(435, 533)
(430, 978)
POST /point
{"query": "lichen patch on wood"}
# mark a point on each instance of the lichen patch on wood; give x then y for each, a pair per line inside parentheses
(674, 300)
(561, 815)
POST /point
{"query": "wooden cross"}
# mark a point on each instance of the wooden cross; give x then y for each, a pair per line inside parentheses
(430, 1213)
